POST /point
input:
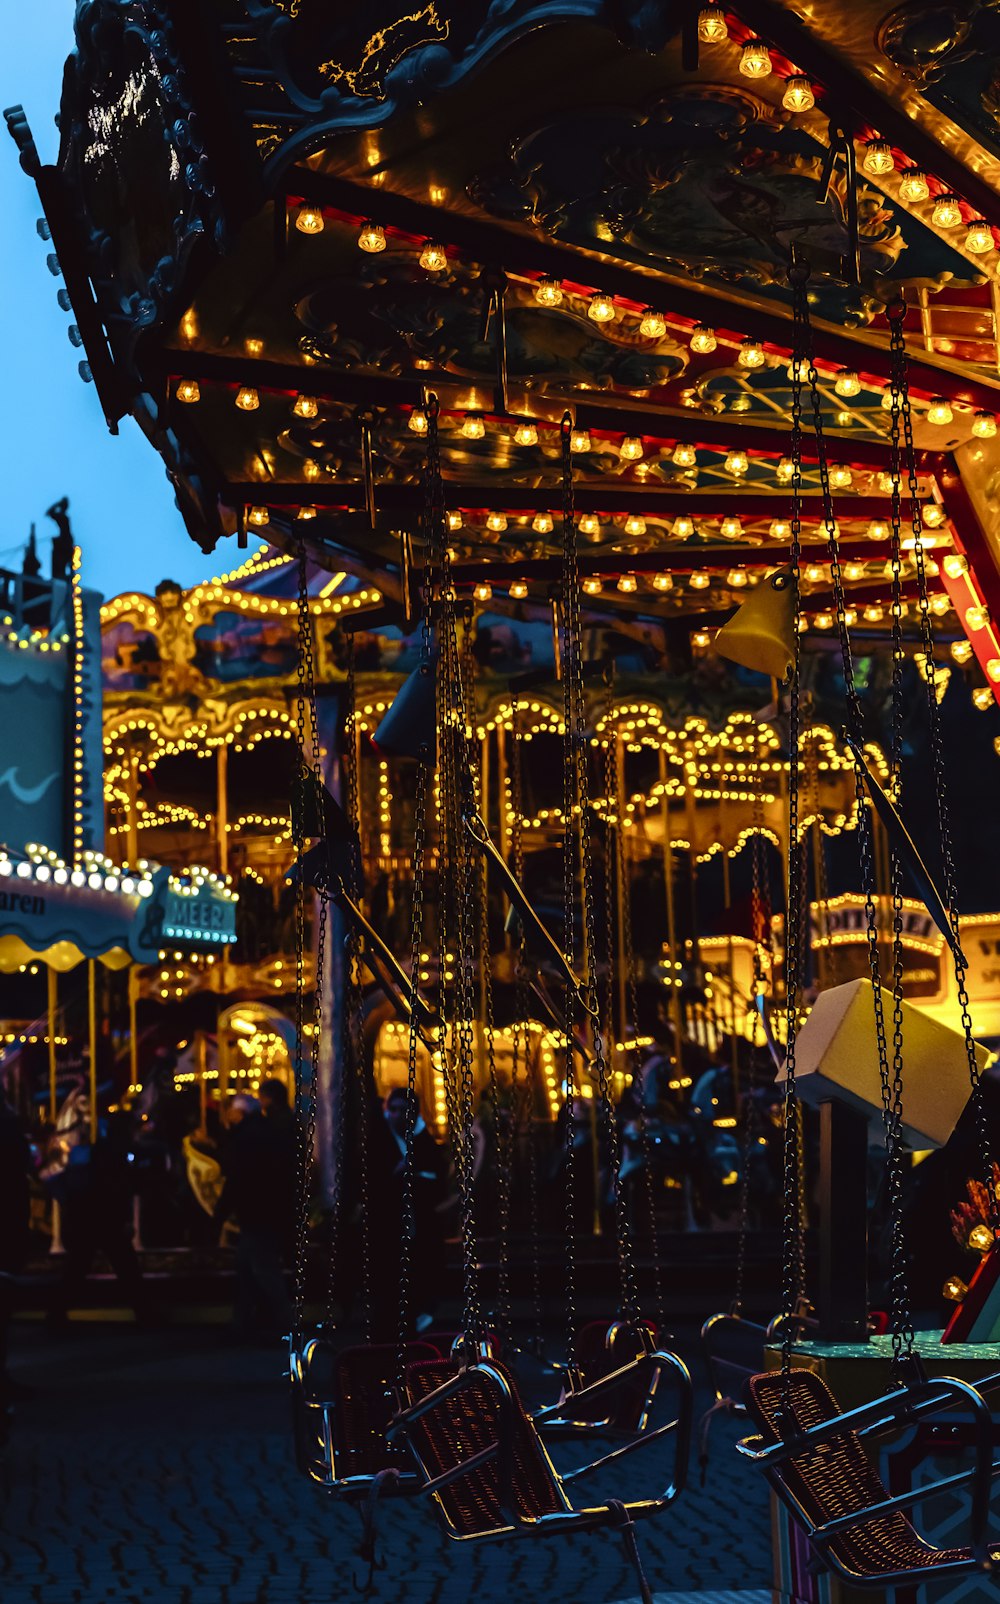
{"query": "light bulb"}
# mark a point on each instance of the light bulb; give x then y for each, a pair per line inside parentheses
(699, 580)
(627, 582)
(712, 29)
(417, 421)
(854, 570)
(980, 1239)
(731, 528)
(703, 340)
(798, 95)
(737, 578)
(979, 237)
(309, 219)
(601, 309)
(526, 435)
(940, 604)
(939, 412)
(306, 513)
(785, 471)
(247, 398)
(482, 591)
(635, 524)
(814, 573)
(541, 523)
(947, 211)
(683, 527)
(454, 521)
(306, 406)
(913, 185)
(737, 462)
(933, 515)
(258, 516)
(473, 427)
(592, 586)
(889, 396)
(579, 440)
(841, 478)
(823, 620)
(684, 455)
(701, 639)
(496, 522)
(877, 157)
(984, 425)
(955, 565)
(189, 391)
(371, 238)
(993, 669)
(843, 419)
(889, 483)
(799, 365)
(517, 589)
(630, 449)
(873, 614)
(751, 354)
(433, 258)
(653, 325)
(984, 698)
(847, 383)
(663, 582)
(590, 524)
(780, 529)
(961, 650)
(548, 292)
(755, 59)
(976, 617)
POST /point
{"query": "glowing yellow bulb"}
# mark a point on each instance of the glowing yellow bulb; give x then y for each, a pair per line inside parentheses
(712, 29)
(541, 523)
(955, 565)
(854, 570)
(780, 529)
(979, 237)
(483, 592)
(737, 578)
(980, 1239)
(993, 669)
(984, 698)
(433, 258)
(683, 527)
(873, 614)
(548, 292)
(823, 620)
(785, 471)
(841, 478)
(684, 455)
(731, 528)
(518, 589)
(737, 463)
(635, 524)
(601, 309)
(877, 158)
(755, 59)
(976, 617)
(984, 425)
(947, 211)
(306, 406)
(933, 515)
(306, 512)
(663, 582)
(473, 427)
(627, 582)
(798, 95)
(258, 516)
(189, 391)
(247, 398)
(592, 586)
(526, 435)
(579, 440)
(913, 186)
(309, 219)
(703, 340)
(847, 383)
(653, 325)
(939, 412)
(417, 421)
(496, 522)
(961, 650)
(454, 521)
(814, 573)
(590, 524)
(701, 639)
(751, 354)
(630, 449)
(371, 238)
(699, 580)
(939, 604)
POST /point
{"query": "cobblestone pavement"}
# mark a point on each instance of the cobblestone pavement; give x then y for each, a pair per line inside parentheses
(157, 1467)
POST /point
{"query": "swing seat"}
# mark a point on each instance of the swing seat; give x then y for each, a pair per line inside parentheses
(342, 1403)
(734, 1352)
(624, 1408)
(486, 1465)
(832, 1491)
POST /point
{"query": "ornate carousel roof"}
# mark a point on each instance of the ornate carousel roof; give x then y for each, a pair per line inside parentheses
(282, 224)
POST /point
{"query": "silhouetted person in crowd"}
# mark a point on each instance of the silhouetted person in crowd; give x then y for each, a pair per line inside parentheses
(387, 1158)
(274, 1106)
(94, 1193)
(258, 1193)
(15, 1164)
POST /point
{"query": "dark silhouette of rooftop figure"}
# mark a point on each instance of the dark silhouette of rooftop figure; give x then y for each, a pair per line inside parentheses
(31, 566)
(62, 545)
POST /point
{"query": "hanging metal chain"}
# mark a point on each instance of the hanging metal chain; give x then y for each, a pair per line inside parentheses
(573, 733)
(900, 382)
(521, 1036)
(746, 1110)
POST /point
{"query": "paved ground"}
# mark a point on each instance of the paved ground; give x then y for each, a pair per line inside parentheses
(157, 1467)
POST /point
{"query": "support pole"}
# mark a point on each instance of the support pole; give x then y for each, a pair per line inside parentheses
(92, 1031)
(53, 1014)
(222, 806)
(668, 876)
(133, 1035)
(842, 1301)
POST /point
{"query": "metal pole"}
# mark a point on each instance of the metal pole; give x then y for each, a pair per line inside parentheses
(222, 806)
(668, 876)
(53, 1002)
(133, 1037)
(92, 1026)
(727, 894)
(621, 862)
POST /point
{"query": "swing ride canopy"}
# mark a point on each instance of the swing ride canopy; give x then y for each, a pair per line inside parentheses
(280, 224)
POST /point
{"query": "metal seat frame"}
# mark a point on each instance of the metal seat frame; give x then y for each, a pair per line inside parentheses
(885, 1416)
(315, 1421)
(629, 1412)
(510, 1416)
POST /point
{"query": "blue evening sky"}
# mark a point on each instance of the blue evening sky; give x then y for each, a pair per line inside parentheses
(53, 439)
